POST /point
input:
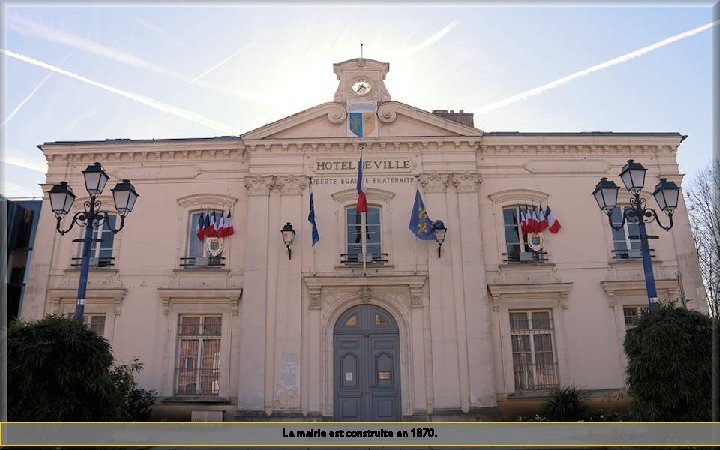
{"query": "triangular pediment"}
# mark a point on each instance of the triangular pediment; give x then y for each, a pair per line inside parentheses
(329, 120)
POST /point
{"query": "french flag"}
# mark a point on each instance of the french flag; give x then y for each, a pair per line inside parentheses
(228, 229)
(362, 206)
(201, 226)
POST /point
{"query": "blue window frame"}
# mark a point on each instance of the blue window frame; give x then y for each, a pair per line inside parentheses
(353, 243)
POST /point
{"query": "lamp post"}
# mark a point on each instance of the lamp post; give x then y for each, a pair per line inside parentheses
(61, 200)
(666, 195)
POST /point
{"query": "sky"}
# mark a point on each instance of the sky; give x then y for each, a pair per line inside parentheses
(94, 71)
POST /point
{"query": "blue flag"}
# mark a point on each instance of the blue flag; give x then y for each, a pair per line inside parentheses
(420, 224)
(311, 219)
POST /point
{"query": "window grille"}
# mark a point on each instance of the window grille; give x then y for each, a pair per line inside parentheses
(198, 368)
(632, 314)
(96, 322)
(531, 335)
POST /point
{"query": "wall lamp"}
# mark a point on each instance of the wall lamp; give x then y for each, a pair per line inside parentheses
(288, 236)
(440, 231)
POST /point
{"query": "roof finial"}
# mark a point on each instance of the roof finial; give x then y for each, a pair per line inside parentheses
(362, 62)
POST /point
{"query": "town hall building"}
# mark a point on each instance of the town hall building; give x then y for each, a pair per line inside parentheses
(251, 323)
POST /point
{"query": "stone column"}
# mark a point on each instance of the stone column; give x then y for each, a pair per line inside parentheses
(474, 317)
(288, 312)
(252, 351)
(443, 375)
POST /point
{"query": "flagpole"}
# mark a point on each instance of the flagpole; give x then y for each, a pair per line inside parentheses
(313, 244)
(363, 217)
(416, 245)
(363, 240)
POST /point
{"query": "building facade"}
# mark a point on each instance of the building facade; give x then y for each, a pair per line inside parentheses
(244, 324)
(22, 220)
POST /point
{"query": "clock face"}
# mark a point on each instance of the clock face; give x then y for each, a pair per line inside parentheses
(361, 87)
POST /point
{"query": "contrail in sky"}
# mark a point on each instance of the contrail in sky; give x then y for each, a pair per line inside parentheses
(31, 94)
(217, 65)
(25, 100)
(408, 52)
(39, 30)
(170, 109)
(612, 62)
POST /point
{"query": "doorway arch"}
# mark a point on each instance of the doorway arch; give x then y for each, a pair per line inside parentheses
(366, 365)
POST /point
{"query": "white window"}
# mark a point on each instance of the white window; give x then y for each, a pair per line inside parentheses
(195, 245)
(517, 249)
(101, 247)
(353, 233)
(96, 322)
(198, 364)
(197, 248)
(631, 315)
(534, 364)
(623, 246)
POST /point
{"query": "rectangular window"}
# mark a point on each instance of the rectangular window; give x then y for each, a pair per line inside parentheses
(197, 253)
(96, 322)
(632, 315)
(531, 336)
(354, 244)
(198, 368)
(623, 246)
(195, 245)
(101, 247)
(517, 249)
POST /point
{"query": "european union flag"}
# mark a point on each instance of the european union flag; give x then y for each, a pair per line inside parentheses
(311, 219)
(420, 224)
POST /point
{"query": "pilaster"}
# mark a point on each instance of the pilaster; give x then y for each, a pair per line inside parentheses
(253, 326)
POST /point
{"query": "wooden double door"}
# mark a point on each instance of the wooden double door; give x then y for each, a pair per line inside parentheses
(366, 366)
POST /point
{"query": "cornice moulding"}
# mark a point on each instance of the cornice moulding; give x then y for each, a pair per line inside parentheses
(373, 194)
(206, 200)
(97, 295)
(518, 195)
(205, 294)
(401, 144)
(352, 281)
(637, 287)
(521, 147)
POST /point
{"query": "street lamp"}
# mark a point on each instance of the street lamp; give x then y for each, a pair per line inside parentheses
(666, 195)
(288, 235)
(61, 200)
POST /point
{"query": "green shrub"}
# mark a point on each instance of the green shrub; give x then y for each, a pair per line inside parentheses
(59, 370)
(669, 365)
(136, 402)
(565, 404)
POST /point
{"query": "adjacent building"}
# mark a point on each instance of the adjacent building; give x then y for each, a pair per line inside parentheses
(255, 328)
(22, 219)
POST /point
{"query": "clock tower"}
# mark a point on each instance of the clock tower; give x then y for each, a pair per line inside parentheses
(361, 80)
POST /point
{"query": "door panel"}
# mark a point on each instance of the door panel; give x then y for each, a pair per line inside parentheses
(366, 366)
(385, 394)
(348, 351)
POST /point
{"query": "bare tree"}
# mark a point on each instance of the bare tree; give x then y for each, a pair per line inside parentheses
(703, 204)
